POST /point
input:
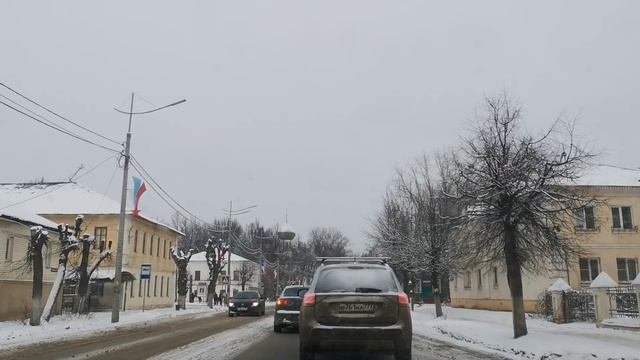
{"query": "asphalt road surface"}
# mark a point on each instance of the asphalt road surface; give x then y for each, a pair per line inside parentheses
(285, 346)
(138, 342)
(194, 337)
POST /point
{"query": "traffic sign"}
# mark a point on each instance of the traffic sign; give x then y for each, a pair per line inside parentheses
(225, 279)
(145, 271)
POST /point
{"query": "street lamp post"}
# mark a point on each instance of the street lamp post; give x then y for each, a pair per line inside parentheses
(117, 282)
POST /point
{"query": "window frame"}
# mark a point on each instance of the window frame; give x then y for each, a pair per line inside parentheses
(589, 268)
(196, 275)
(479, 279)
(618, 210)
(626, 269)
(135, 242)
(8, 251)
(582, 220)
(100, 240)
(495, 277)
(467, 280)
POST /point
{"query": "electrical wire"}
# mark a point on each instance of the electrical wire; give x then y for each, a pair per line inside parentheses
(58, 129)
(58, 115)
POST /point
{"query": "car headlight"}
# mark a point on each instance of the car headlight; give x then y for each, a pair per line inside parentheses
(230, 304)
(254, 304)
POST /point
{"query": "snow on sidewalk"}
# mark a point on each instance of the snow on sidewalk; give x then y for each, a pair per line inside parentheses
(491, 331)
(222, 346)
(66, 327)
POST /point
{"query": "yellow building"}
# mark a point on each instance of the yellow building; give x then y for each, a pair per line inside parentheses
(607, 232)
(147, 241)
(16, 280)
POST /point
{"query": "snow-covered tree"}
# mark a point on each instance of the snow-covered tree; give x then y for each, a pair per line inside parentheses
(39, 238)
(215, 252)
(415, 226)
(68, 244)
(513, 186)
(182, 260)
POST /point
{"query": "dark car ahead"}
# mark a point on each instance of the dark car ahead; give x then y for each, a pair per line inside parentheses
(247, 302)
(288, 307)
(355, 304)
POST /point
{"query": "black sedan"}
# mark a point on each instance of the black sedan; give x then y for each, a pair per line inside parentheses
(246, 302)
(288, 307)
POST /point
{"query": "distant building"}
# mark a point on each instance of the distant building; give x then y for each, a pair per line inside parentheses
(146, 240)
(608, 232)
(16, 281)
(199, 272)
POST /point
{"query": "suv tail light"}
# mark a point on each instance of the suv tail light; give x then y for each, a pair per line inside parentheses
(309, 299)
(403, 299)
(282, 302)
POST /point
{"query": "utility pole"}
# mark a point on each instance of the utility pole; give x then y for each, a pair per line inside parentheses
(229, 253)
(117, 281)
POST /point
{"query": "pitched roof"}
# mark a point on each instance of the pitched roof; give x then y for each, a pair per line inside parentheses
(61, 198)
(201, 257)
(24, 216)
(605, 175)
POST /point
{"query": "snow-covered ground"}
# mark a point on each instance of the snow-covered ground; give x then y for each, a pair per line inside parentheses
(222, 346)
(16, 333)
(491, 331)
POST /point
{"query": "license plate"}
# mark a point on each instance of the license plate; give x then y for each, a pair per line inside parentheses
(242, 309)
(365, 308)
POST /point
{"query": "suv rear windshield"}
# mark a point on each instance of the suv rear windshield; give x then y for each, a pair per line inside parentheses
(362, 279)
(247, 295)
(294, 291)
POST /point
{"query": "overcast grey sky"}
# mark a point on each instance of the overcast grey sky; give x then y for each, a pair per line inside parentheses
(305, 105)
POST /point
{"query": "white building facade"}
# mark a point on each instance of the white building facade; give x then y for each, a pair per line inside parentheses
(199, 275)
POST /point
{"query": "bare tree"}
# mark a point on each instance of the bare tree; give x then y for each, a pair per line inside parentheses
(68, 244)
(215, 252)
(415, 226)
(182, 260)
(513, 186)
(246, 273)
(328, 242)
(39, 238)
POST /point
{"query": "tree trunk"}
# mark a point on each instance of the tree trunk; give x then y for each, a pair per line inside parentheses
(55, 291)
(243, 286)
(211, 290)
(514, 278)
(182, 299)
(435, 283)
(83, 286)
(36, 295)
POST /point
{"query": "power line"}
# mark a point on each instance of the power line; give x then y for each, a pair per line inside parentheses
(58, 115)
(58, 129)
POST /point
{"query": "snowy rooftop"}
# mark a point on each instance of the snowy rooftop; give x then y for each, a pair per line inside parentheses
(603, 175)
(60, 198)
(19, 213)
(201, 257)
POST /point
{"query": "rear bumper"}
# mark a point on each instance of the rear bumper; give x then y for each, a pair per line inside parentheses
(375, 338)
(286, 317)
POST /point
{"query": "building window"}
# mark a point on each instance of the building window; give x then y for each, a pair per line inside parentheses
(479, 279)
(621, 217)
(627, 269)
(144, 242)
(161, 284)
(585, 218)
(132, 287)
(495, 277)
(168, 281)
(47, 257)
(8, 249)
(236, 275)
(455, 282)
(140, 288)
(164, 249)
(197, 276)
(148, 287)
(589, 269)
(100, 234)
(155, 286)
(110, 243)
(151, 246)
(158, 248)
(467, 280)
(135, 242)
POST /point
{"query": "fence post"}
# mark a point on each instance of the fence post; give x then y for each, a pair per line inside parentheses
(557, 290)
(601, 301)
(636, 284)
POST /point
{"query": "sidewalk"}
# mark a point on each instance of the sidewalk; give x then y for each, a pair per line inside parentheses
(491, 331)
(17, 333)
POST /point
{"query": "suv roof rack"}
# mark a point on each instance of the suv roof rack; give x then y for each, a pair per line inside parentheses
(324, 260)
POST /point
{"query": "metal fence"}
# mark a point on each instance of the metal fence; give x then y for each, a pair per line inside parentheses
(623, 302)
(578, 306)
